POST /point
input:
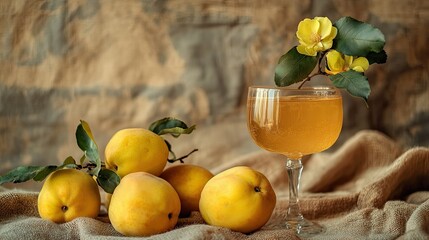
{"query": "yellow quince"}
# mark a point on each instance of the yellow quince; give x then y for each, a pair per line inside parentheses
(315, 35)
(338, 62)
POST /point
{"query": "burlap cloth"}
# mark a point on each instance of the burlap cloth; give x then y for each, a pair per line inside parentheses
(367, 189)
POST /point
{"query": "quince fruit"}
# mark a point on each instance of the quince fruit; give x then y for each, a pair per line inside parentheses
(188, 181)
(67, 194)
(136, 150)
(239, 198)
(143, 204)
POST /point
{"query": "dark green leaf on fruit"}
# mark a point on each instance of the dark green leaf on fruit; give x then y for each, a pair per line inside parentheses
(108, 180)
(44, 172)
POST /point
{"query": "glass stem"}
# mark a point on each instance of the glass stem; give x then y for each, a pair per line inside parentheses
(294, 169)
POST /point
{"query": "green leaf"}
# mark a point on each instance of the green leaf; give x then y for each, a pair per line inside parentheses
(379, 58)
(69, 160)
(75, 166)
(354, 82)
(44, 172)
(21, 174)
(86, 142)
(177, 131)
(356, 38)
(108, 180)
(172, 126)
(293, 67)
(82, 159)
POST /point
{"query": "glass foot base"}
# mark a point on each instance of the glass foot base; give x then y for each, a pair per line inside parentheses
(304, 227)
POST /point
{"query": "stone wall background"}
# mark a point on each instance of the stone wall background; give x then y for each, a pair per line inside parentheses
(119, 64)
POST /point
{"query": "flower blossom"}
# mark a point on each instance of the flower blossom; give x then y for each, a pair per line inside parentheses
(315, 35)
(338, 62)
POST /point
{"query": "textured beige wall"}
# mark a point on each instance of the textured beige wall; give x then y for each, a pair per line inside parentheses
(120, 64)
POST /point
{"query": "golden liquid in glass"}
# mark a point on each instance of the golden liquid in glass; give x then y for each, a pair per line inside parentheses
(295, 125)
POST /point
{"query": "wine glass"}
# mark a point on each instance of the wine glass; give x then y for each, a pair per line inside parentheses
(295, 123)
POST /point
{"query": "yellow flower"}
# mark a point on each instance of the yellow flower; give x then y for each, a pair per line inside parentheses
(315, 35)
(338, 62)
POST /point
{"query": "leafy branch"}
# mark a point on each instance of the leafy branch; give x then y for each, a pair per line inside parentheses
(106, 179)
(91, 161)
(354, 38)
(175, 128)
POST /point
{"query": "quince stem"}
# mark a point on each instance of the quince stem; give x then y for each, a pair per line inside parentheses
(89, 166)
(180, 159)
